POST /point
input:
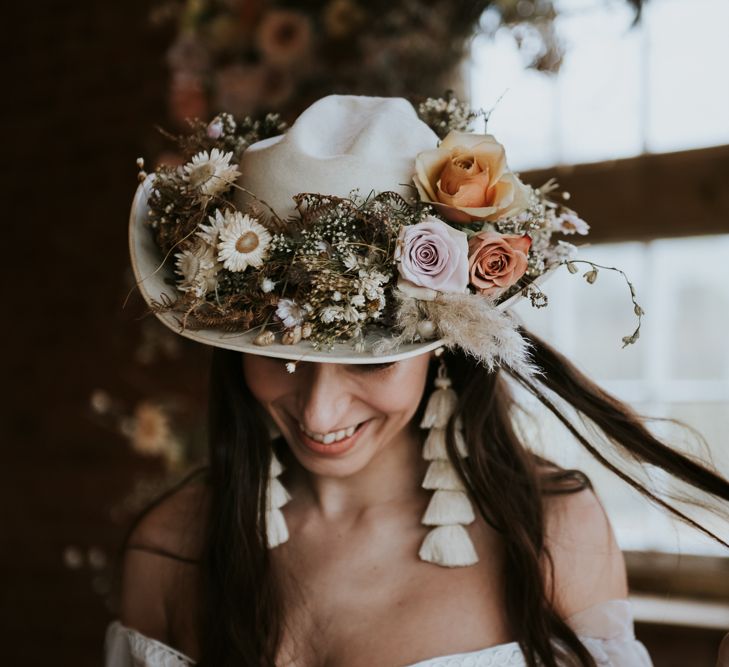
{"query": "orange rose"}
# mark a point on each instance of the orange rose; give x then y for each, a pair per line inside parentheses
(466, 179)
(496, 261)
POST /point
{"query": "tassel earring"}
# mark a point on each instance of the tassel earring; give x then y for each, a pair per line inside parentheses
(276, 497)
(448, 543)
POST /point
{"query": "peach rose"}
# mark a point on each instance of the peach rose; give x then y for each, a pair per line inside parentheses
(496, 261)
(466, 179)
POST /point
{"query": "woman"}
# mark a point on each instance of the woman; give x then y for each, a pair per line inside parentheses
(350, 539)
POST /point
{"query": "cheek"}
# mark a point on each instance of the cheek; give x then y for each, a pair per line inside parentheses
(264, 377)
(401, 394)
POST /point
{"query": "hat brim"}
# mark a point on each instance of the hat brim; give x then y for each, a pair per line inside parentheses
(152, 279)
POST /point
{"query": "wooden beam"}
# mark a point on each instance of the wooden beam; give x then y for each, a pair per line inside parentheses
(650, 196)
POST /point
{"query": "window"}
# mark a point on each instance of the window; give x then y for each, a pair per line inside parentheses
(660, 86)
(678, 368)
(623, 92)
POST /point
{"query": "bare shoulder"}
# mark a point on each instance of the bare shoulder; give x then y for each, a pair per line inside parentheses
(588, 565)
(160, 561)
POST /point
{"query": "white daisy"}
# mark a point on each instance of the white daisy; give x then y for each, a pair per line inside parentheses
(242, 242)
(211, 173)
(198, 269)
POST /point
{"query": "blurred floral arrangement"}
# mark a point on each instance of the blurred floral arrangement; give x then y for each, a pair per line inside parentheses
(436, 265)
(249, 56)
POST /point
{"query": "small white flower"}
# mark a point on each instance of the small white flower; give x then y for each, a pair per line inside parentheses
(351, 314)
(350, 261)
(242, 242)
(331, 314)
(215, 128)
(336, 295)
(357, 300)
(569, 223)
(267, 285)
(289, 312)
(210, 173)
(371, 283)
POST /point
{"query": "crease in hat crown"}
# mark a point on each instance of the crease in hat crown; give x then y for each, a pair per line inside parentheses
(339, 144)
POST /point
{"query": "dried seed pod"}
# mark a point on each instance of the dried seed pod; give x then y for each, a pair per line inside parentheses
(591, 276)
(264, 338)
(306, 330)
(291, 336)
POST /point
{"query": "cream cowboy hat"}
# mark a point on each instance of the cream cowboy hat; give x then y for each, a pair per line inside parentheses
(338, 145)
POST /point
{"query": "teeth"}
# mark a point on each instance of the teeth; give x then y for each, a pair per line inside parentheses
(333, 436)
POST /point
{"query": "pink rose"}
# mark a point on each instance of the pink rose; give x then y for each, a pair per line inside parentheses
(496, 261)
(432, 257)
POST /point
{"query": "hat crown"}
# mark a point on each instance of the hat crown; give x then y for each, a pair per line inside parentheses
(339, 144)
(340, 125)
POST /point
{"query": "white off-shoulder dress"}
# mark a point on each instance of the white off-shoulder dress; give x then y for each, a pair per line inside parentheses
(606, 629)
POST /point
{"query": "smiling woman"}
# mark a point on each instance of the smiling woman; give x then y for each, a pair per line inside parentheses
(375, 506)
(314, 407)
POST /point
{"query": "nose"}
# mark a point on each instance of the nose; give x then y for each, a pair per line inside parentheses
(324, 399)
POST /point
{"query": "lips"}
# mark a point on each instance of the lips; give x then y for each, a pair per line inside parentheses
(331, 437)
(338, 447)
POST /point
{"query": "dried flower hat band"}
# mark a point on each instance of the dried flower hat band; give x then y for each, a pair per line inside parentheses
(354, 236)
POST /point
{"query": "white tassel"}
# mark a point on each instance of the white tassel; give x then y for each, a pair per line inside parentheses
(276, 529)
(434, 448)
(448, 507)
(276, 466)
(441, 405)
(449, 546)
(276, 497)
(442, 475)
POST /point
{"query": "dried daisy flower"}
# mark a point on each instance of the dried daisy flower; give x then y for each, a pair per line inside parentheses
(198, 269)
(243, 242)
(211, 173)
(148, 429)
(210, 233)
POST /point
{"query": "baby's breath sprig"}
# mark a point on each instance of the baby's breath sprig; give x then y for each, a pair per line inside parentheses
(443, 114)
(591, 276)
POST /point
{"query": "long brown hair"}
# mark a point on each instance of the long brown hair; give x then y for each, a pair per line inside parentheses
(240, 618)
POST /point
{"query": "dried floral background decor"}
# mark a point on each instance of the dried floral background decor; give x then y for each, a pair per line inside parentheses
(249, 56)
